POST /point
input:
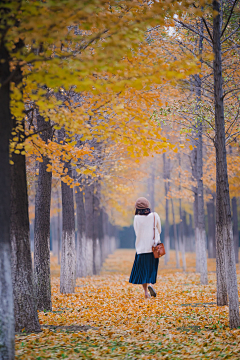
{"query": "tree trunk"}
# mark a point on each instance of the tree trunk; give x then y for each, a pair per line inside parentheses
(235, 228)
(224, 234)
(96, 228)
(89, 190)
(105, 246)
(175, 237)
(182, 237)
(58, 229)
(201, 234)
(186, 233)
(68, 260)
(42, 276)
(81, 266)
(211, 229)
(53, 235)
(191, 234)
(166, 187)
(101, 233)
(196, 232)
(6, 291)
(26, 316)
(151, 186)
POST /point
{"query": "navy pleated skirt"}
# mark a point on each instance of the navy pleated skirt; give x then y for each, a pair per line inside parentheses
(145, 268)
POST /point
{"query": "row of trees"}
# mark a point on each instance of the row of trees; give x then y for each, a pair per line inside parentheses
(77, 98)
(214, 38)
(64, 83)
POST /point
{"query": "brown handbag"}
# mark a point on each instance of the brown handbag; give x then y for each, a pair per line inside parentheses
(158, 250)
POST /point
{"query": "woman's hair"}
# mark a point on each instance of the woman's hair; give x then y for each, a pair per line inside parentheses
(142, 211)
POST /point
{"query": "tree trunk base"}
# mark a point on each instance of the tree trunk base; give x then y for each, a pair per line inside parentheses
(6, 305)
(89, 256)
(68, 264)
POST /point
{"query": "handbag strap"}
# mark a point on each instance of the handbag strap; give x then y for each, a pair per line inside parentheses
(153, 227)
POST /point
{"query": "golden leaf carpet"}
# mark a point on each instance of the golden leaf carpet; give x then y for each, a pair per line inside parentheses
(108, 318)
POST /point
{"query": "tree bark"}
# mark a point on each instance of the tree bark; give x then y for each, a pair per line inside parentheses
(25, 309)
(53, 235)
(235, 228)
(196, 233)
(89, 190)
(175, 237)
(211, 229)
(101, 233)
(191, 234)
(105, 246)
(224, 234)
(201, 234)
(182, 237)
(151, 186)
(81, 266)
(166, 188)
(6, 291)
(201, 254)
(42, 276)
(58, 229)
(195, 207)
(186, 231)
(68, 259)
(96, 228)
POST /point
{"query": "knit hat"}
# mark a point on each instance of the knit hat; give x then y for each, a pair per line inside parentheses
(142, 203)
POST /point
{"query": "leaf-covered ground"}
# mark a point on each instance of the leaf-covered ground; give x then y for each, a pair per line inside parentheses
(108, 318)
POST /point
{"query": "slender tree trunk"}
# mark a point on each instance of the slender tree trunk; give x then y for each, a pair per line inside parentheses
(195, 205)
(182, 237)
(175, 237)
(42, 227)
(186, 234)
(211, 229)
(89, 190)
(96, 230)
(25, 309)
(196, 232)
(96, 240)
(166, 187)
(105, 247)
(81, 266)
(101, 233)
(58, 228)
(201, 254)
(191, 234)
(6, 291)
(224, 234)
(235, 228)
(68, 260)
(201, 234)
(151, 186)
(53, 234)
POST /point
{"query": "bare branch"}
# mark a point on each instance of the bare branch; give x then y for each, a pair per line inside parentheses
(229, 18)
(193, 30)
(229, 91)
(206, 26)
(39, 131)
(232, 33)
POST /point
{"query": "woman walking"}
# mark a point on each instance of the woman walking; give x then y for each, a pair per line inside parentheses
(145, 265)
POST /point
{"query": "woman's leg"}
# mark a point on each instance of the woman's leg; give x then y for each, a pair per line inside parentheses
(145, 288)
(152, 290)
